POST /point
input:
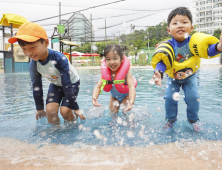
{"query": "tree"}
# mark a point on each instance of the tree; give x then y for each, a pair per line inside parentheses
(217, 33)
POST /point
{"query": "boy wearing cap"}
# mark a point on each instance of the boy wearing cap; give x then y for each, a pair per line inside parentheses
(55, 67)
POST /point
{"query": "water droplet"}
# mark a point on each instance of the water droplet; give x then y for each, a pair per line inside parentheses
(130, 134)
(94, 47)
(36, 88)
(115, 103)
(96, 133)
(54, 118)
(131, 116)
(43, 133)
(80, 127)
(53, 62)
(121, 142)
(176, 96)
(119, 120)
(186, 35)
(50, 99)
(151, 81)
(124, 123)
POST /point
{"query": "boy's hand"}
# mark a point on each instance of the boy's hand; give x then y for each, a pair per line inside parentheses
(157, 78)
(79, 113)
(95, 102)
(40, 114)
(219, 45)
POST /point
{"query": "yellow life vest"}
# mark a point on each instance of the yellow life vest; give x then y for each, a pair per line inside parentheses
(198, 45)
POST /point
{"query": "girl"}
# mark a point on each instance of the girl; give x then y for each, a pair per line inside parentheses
(121, 91)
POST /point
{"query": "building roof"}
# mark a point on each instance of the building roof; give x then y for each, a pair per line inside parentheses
(69, 43)
(15, 19)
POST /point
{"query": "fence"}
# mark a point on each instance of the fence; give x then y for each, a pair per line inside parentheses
(144, 57)
(86, 61)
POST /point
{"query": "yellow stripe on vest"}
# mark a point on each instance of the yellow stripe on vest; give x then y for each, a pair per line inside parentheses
(165, 53)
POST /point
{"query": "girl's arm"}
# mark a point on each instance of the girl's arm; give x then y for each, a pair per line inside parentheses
(132, 91)
(96, 93)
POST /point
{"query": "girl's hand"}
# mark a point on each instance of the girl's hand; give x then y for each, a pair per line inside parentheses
(40, 114)
(129, 106)
(95, 102)
(157, 78)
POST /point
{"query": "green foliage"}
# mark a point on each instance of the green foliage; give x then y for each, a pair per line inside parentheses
(194, 27)
(134, 41)
(217, 33)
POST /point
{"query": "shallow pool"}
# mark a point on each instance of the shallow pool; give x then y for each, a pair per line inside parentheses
(17, 113)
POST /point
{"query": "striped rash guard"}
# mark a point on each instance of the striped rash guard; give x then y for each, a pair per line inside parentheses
(57, 69)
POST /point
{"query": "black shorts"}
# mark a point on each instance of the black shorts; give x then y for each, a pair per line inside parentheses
(56, 94)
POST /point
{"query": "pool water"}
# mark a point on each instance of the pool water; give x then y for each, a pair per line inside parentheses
(141, 126)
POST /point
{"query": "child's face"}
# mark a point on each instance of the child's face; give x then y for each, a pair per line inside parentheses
(180, 27)
(113, 61)
(37, 50)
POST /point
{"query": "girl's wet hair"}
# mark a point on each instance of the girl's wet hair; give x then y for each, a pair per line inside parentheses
(179, 11)
(114, 48)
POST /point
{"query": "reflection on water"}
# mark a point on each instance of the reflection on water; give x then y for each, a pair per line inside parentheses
(141, 127)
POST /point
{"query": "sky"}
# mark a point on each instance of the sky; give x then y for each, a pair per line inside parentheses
(140, 13)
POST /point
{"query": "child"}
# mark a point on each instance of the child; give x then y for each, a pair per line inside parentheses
(181, 62)
(114, 63)
(55, 67)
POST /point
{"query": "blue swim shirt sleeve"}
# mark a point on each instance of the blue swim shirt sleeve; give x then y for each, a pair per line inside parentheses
(63, 66)
(212, 50)
(36, 79)
(160, 66)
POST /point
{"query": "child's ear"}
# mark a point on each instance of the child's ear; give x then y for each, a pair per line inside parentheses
(168, 30)
(122, 59)
(191, 28)
(47, 42)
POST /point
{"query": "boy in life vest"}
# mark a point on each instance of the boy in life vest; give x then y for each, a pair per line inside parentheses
(116, 79)
(55, 67)
(180, 58)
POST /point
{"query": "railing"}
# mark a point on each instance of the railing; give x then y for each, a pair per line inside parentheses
(87, 63)
(1, 66)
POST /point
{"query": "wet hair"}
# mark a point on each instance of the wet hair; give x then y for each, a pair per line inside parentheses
(179, 11)
(24, 43)
(114, 48)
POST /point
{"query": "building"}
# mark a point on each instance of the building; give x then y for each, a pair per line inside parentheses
(80, 28)
(207, 15)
